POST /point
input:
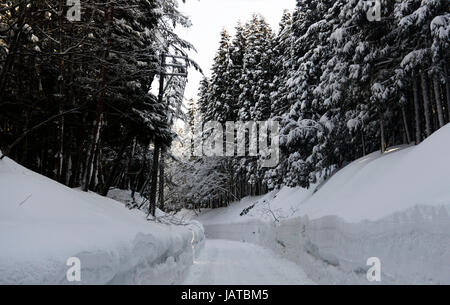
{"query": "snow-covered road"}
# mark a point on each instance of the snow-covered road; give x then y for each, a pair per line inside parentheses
(224, 262)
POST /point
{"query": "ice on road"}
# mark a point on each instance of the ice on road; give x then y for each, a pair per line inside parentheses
(224, 262)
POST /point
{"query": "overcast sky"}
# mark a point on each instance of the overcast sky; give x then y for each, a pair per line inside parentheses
(209, 17)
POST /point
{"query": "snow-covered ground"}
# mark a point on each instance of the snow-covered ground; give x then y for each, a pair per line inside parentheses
(43, 223)
(225, 262)
(394, 206)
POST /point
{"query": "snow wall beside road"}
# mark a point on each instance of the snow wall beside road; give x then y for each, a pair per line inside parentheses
(413, 246)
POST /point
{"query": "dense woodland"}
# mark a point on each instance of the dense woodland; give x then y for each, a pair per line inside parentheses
(76, 101)
(340, 86)
(75, 96)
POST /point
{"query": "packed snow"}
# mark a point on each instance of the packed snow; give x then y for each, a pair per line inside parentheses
(43, 223)
(225, 262)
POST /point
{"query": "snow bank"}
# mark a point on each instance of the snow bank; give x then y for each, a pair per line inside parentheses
(381, 184)
(43, 223)
(394, 206)
(413, 245)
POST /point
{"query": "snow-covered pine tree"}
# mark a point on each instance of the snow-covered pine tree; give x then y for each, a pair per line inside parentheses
(220, 97)
(68, 78)
(256, 77)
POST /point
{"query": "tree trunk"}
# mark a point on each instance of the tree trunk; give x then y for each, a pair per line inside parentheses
(60, 160)
(417, 109)
(363, 141)
(437, 95)
(426, 103)
(154, 180)
(94, 145)
(405, 123)
(447, 89)
(100, 172)
(101, 94)
(382, 135)
(94, 175)
(161, 180)
(139, 176)
(112, 175)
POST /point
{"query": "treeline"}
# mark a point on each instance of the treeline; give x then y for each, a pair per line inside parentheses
(340, 85)
(75, 101)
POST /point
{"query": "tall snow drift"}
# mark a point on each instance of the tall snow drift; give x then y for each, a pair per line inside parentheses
(43, 223)
(378, 185)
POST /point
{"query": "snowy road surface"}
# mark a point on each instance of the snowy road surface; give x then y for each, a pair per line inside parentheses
(224, 262)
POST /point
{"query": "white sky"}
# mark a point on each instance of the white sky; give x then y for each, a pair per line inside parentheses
(209, 17)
